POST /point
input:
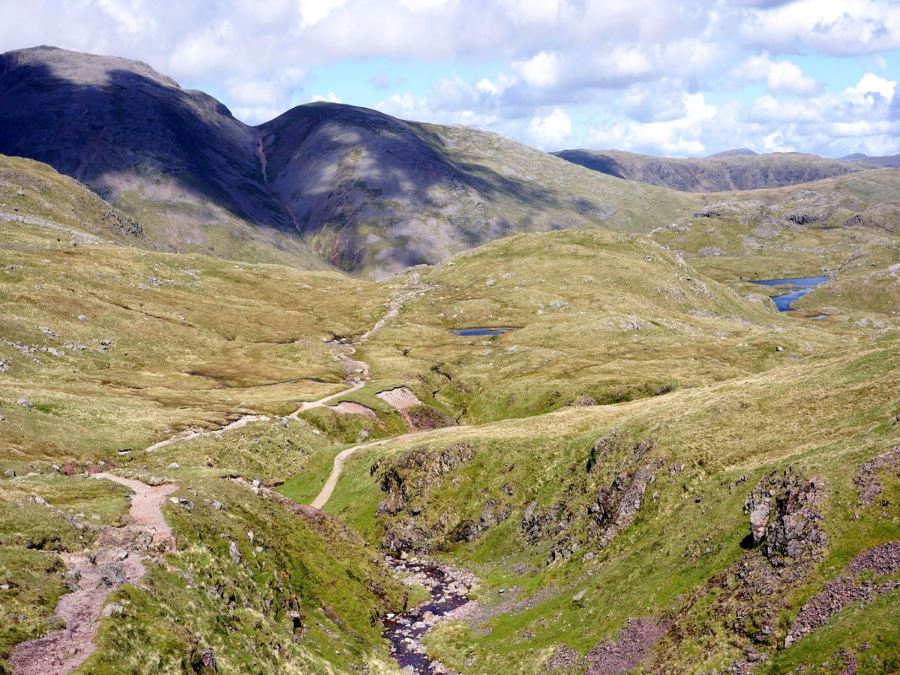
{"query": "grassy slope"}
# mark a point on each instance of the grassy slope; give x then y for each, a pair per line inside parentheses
(197, 339)
(851, 232)
(191, 339)
(824, 414)
(597, 314)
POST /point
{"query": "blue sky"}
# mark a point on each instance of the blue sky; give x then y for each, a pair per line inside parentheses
(676, 78)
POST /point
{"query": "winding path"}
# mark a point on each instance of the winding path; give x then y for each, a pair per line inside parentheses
(118, 555)
(339, 460)
(116, 559)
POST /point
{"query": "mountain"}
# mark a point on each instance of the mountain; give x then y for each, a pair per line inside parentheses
(736, 152)
(630, 461)
(884, 162)
(731, 170)
(353, 187)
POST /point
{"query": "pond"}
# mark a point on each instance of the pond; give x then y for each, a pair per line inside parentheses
(472, 332)
(795, 288)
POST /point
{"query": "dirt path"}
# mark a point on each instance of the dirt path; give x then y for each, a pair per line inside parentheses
(117, 558)
(338, 466)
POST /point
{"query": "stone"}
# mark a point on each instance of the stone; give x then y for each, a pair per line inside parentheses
(784, 515)
(234, 552)
(779, 348)
(113, 609)
(203, 662)
(10, 473)
(578, 598)
(173, 466)
(24, 402)
(217, 505)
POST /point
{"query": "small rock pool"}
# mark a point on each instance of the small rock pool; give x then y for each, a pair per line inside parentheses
(795, 288)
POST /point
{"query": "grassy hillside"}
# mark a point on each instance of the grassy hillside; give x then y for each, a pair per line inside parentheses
(594, 469)
(822, 414)
(844, 227)
(116, 347)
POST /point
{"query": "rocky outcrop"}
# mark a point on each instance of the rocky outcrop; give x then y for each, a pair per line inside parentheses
(617, 505)
(618, 474)
(848, 588)
(867, 479)
(407, 482)
(784, 516)
(493, 513)
(424, 417)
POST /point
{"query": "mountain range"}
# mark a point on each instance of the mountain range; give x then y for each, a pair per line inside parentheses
(357, 189)
(739, 169)
(330, 185)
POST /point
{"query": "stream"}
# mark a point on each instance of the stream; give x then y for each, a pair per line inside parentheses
(448, 588)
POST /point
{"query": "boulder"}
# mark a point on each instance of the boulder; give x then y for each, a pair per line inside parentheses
(784, 515)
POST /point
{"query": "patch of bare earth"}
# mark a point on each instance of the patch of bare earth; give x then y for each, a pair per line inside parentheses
(117, 558)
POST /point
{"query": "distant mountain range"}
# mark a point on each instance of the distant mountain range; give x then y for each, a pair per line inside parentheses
(321, 184)
(333, 185)
(739, 169)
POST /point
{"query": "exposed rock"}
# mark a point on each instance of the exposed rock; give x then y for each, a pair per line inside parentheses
(424, 417)
(469, 530)
(784, 515)
(25, 402)
(584, 401)
(602, 448)
(564, 660)
(847, 588)
(617, 505)
(611, 657)
(203, 662)
(10, 473)
(407, 481)
(710, 251)
(866, 480)
(234, 552)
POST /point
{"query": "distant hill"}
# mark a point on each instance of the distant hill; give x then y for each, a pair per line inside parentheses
(731, 170)
(886, 162)
(353, 187)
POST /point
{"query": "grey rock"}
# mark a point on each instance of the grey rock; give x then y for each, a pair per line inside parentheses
(234, 552)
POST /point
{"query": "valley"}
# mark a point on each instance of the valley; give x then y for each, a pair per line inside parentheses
(417, 398)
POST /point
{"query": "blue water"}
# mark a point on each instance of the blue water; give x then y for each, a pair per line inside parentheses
(468, 332)
(799, 286)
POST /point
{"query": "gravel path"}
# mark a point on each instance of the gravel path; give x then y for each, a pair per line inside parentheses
(117, 558)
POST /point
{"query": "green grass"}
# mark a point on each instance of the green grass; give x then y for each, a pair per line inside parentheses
(673, 345)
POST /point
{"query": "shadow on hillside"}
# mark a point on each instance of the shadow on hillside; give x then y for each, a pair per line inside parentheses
(134, 124)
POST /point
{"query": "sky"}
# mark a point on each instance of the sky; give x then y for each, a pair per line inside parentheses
(685, 79)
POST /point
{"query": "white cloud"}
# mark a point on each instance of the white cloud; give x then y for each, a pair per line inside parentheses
(330, 97)
(551, 130)
(541, 70)
(828, 26)
(636, 73)
(683, 135)
(779, 76)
